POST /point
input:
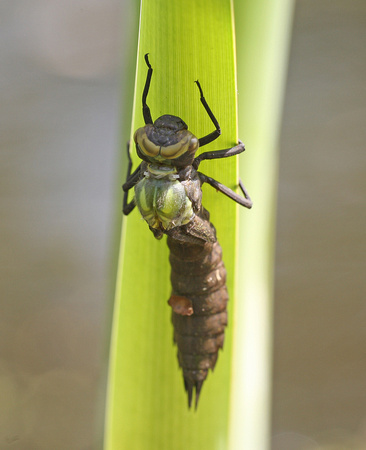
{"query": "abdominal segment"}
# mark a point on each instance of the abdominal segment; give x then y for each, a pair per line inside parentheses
(199, 276)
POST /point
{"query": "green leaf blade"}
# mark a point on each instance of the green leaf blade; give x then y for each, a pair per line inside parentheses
(147, 404)
(263, 37)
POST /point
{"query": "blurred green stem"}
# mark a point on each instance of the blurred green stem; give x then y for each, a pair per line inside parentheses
(263, 30)
(147, 406)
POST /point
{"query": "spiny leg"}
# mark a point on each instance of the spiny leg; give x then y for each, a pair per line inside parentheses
(128, 207)
(215, 134)
(216, 154)
(131, 180)
(245, 192)
(244, 201)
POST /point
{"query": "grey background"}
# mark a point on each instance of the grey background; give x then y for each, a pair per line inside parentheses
(60, 79)
(319, 381)
(60, 194)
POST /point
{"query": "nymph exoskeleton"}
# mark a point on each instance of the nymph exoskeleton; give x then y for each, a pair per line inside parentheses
(168, 194)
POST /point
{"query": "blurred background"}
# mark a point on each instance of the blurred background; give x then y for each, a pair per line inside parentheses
(60, 174)
(319, 380)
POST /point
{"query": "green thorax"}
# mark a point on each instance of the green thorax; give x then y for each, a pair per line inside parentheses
(162, 198)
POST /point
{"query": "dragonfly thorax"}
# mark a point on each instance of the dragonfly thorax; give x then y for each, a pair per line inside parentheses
(162, 199)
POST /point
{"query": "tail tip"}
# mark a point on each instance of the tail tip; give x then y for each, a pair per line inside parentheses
(190, 387)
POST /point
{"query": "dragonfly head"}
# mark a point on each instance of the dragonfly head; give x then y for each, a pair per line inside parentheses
(167, 141)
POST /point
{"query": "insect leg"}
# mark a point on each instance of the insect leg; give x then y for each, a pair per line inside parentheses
(145, 108)
(215, 134)
(128, 207)
(244, 201)
(131, 180)
(216, 154)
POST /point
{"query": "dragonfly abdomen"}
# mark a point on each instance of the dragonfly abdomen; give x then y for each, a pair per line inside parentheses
(199, 298)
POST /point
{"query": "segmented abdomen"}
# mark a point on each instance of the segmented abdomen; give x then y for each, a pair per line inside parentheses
(198, 279)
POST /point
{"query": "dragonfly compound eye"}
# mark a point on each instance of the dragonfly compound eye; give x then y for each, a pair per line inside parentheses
(162, 144)
(187, 144)
(145, 145)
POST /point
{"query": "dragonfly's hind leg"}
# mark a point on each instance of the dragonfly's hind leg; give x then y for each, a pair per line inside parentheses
(244, 201)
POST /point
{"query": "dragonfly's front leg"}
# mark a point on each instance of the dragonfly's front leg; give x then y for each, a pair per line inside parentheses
(131, 180)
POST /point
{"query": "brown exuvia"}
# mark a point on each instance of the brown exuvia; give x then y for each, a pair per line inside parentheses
(168, 194)
(198, 274)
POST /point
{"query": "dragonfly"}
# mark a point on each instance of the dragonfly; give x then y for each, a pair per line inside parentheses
(167, 192)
